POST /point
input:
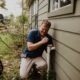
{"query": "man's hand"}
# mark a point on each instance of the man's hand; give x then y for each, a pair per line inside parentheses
(34, 46)
(45, 40)
(50, 46)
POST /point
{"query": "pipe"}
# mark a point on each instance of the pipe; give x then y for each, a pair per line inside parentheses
(48, 59)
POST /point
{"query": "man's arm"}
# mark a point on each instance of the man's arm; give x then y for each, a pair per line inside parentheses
(34, 46)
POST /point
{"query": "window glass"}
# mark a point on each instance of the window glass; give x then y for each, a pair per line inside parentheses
(55, 4)
(35, 6)
(64, 2)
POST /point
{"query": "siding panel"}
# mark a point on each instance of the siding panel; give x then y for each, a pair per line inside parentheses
(43, 3)
(69, 39)
(40, 1)
(67, 24)
(67, 67)
(70, 55)
(57, 78)
(43, 10)
(61, 73)
(43, 16)
(39, 23)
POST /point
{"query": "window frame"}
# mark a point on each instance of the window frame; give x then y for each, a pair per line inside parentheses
(64, 10)
(34, 14)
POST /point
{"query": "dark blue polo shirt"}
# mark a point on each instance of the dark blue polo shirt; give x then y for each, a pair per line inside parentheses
(34, 37)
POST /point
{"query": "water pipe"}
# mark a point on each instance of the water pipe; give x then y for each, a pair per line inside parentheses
(48, 59)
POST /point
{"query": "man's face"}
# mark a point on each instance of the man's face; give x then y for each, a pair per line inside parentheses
(43, 30)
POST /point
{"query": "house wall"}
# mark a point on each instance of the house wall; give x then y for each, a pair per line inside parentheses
(65, 31)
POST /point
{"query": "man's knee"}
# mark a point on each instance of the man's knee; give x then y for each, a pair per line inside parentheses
(23, 76)
(43, 65)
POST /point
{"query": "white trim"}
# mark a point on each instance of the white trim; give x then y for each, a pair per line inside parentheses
(58, 3)
(36, 6)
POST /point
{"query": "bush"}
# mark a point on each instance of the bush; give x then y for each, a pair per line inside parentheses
(1, 25)
(52, 75)
(17, 39)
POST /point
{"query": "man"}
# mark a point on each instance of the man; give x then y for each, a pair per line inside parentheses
(37, 41)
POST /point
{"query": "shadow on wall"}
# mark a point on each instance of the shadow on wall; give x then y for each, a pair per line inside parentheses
(52, 57)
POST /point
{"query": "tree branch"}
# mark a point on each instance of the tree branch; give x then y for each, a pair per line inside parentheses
(4, 43)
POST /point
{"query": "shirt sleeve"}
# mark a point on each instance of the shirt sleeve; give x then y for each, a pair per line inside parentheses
(30, 37)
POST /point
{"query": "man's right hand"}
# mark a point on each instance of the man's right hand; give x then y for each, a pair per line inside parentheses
(45, 40)
(34, 46)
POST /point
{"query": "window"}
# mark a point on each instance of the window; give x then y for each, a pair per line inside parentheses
(34, 14)
(59, 7)
(35, 7)
(56, 4)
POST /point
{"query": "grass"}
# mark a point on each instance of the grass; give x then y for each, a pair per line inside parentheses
(6, 38)
(9, 58)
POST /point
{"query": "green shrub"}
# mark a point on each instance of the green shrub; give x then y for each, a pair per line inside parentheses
(7, 57)
(1, 24)
(7, 40)
(1, 56)
(2, 77)
(52, 75)
(17, 39)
